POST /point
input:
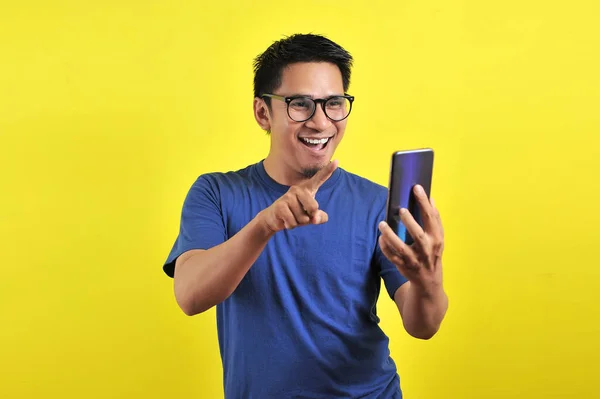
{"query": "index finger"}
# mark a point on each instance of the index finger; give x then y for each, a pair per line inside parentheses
(321, 176)
(427, 215)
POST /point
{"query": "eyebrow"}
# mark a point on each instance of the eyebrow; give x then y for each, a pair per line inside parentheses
(311, 96)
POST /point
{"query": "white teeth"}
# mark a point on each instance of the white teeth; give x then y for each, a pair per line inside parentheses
(315, 141)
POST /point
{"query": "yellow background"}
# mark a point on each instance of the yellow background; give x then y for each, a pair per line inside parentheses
(110, 109)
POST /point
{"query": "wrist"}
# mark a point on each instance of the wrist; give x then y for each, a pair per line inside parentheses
(262, 228)
(429, 290)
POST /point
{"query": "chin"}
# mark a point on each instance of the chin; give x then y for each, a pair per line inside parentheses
(309, 172)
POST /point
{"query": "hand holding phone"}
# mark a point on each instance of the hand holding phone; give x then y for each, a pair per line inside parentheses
(418, 258)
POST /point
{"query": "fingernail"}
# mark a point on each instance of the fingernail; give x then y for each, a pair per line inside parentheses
(318, 219)
(419, 189)
(402, 211)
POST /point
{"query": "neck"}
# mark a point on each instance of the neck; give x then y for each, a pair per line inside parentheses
(279, 171)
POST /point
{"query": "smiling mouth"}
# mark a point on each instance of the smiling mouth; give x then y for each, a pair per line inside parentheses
(315, 144)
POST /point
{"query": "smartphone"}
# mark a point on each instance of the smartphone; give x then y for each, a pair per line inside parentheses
(409, 168)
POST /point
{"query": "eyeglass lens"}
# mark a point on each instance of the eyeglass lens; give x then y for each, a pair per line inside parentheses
(336, 108)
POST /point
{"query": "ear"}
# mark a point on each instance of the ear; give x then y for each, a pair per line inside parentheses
(261, 114)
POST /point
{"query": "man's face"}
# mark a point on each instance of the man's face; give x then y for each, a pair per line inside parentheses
(289, 139)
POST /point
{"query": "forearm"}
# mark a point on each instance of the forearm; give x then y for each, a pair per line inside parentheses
(208, 277)
(423, 310)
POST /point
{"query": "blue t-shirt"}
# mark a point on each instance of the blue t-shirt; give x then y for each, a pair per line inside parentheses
(302, 323)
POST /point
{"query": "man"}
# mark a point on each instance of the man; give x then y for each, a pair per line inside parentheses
(291, 250)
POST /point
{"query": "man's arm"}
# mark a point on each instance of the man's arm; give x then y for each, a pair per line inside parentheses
(421, 300)
(205, 278)
(422, 310)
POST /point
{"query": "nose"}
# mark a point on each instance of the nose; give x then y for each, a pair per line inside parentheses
(319, 120)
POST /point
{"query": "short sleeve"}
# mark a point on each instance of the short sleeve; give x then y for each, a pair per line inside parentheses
(392, 278)
(201, 225)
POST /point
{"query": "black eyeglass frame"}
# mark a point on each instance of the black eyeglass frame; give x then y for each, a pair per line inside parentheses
(317, 101)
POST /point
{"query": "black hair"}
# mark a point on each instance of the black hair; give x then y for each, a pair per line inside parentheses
(268, 66)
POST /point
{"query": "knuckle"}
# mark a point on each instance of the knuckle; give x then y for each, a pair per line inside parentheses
(303, 218)
(312, 207)
(438, 246)
(398, 250)
(280, 205)
(285, 198)
(292, 194)
(308, 192)
(291, 222)
(413, 262)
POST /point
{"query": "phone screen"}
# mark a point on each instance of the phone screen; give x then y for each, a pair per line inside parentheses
(408, 168)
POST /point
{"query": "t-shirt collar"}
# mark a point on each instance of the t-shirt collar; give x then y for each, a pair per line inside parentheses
(281, 188)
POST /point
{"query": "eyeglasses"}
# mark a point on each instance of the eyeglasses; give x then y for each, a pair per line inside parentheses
(302, 108)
